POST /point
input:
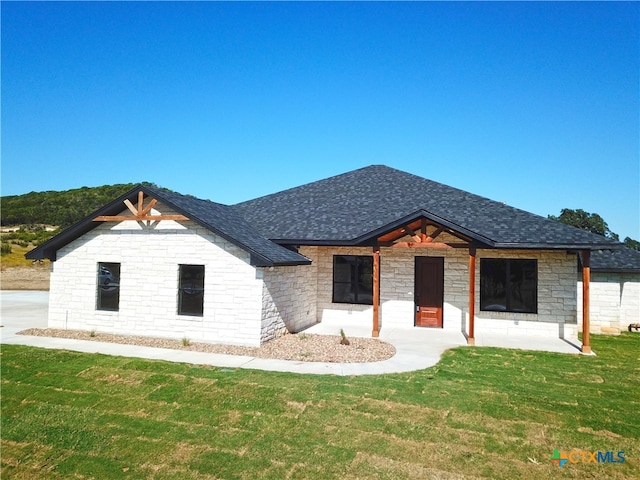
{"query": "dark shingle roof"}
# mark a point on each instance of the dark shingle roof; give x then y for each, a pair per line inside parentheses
(618, 260)
(352, 207)
(219, 219)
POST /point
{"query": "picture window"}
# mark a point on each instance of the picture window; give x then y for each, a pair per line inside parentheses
(509, 285)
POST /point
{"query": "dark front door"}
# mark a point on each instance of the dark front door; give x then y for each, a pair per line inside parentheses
(429, 291)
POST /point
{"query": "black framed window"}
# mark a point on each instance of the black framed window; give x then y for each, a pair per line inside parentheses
(108, 286)
(509, 285)
(191, 290)
(353, 279)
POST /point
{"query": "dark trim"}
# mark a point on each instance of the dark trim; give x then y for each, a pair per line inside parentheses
(559, 246)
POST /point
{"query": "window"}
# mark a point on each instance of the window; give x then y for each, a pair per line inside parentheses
(108, 286)
(509, 285)
(191, 290)
(353, 279)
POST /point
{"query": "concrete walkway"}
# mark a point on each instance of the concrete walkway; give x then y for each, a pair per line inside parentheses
(416, 348)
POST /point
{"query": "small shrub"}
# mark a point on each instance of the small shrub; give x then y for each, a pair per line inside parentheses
(5, 249)
(344, 340)
(185, 342)
(92, 333)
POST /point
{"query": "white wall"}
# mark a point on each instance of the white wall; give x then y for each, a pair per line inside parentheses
(614, 301)
(289, 298)
(149, 258)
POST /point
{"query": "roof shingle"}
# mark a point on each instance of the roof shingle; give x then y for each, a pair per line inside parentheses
(350, 207)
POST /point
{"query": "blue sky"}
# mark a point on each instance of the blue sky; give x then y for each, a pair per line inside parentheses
(533, 104)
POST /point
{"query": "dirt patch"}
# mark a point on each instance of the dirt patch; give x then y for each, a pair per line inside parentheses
(601, 433)
(300, 347)
(34, 277)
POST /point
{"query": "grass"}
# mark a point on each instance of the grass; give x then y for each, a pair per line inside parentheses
(16, 243)
(480, 413)
(16, 257)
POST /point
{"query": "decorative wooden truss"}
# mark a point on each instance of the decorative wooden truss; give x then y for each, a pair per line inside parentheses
(140, 214)
(419, 238)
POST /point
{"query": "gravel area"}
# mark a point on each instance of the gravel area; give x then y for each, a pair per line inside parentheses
(300, 346)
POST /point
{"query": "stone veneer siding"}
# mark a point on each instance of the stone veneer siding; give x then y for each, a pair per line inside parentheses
(557, 309)
(614, 301)
(150, 257)
(289, 298)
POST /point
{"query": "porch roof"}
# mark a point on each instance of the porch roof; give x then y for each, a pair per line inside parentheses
(357, 206)
(622, 260)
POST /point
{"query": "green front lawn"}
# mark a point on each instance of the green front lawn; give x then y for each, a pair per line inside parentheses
(480, 413)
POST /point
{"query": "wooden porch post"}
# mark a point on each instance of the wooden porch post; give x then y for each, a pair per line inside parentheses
(586, 279)
(471, 339)
(376, 291)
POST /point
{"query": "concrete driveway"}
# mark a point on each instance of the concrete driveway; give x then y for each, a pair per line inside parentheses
(22, 309)
(416, 348)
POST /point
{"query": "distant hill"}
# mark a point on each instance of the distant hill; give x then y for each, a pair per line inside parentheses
(61, 209)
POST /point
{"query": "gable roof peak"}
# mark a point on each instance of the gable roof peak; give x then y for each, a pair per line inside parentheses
(217, 218)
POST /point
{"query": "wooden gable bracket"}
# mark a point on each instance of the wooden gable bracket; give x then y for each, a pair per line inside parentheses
(421, 245)
(419, 238)
(408, 231)
(433, 236)
(423, 240)
(140, 213)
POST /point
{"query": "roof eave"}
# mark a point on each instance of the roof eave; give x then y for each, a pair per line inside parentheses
(557, 246)
(260, 261)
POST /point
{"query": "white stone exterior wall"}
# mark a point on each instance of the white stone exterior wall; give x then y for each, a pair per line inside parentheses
(289, 297)
(614, 301)
(150, 257)
(245, 305)
(557, 307)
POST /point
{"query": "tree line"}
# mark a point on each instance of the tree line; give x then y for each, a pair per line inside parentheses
(61, 209)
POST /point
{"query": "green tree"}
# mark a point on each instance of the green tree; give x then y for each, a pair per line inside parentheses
(631, 243)
(591, 222)
(58, 208)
